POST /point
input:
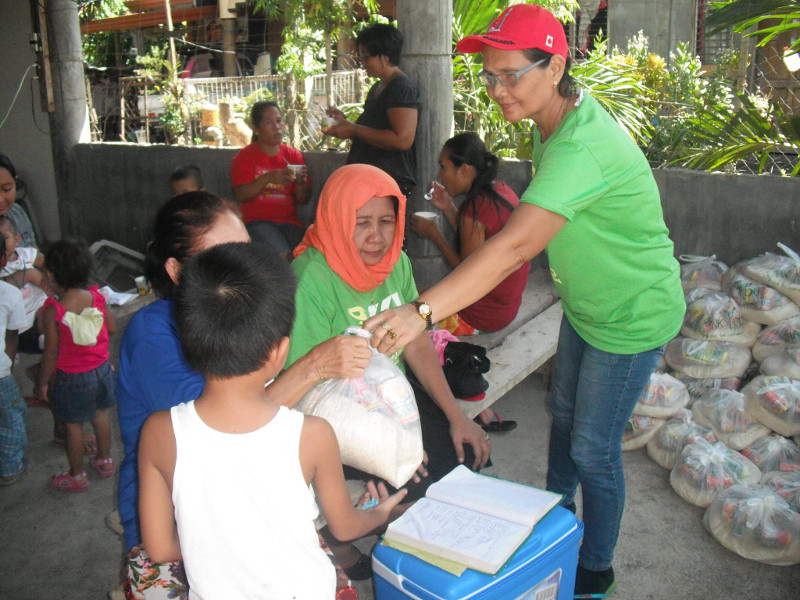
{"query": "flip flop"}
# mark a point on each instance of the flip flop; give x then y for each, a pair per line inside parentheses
(35, 401)
(498, 425)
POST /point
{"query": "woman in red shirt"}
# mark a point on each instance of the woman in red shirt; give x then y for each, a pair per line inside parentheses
(266, 188)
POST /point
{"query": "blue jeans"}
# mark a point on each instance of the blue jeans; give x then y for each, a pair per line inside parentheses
(591, 397)
(281, 237)
(13, 437)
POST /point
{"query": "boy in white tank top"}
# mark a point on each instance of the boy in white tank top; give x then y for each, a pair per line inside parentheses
(224, 479)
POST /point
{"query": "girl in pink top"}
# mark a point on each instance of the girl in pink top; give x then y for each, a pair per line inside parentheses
(76, 329)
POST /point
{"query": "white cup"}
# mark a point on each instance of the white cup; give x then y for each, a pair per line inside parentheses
(430, 216)
(295, 170)
(141, 285)
(327, 122)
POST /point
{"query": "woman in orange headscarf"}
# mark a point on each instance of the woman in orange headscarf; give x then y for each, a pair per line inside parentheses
(350, 266)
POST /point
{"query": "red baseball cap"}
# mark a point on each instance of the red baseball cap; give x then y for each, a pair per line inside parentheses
(519, 27)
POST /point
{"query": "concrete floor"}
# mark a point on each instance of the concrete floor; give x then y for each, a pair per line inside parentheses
(56, 546)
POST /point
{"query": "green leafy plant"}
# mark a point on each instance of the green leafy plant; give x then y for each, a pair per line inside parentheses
(156, 68)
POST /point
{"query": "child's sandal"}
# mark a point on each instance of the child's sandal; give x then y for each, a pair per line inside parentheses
(69, 483)
(104, 466)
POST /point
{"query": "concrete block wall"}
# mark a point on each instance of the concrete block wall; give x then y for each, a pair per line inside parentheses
(732, 216)
(664, 23)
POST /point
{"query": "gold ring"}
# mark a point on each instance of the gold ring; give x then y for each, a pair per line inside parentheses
(385, 325)
(392, 335)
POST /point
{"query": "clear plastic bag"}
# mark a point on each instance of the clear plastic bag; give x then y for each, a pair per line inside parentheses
(785, 363)
(756, 523)
(776, 338)
(375, 418)
(701, 272)
(703, 469)
(723, 411)
(775, 402)
(779, 272)
(760, 303)
(786, 484)
(696, 387)
(668, 442)
(774, 453)
(717, 317)
(638, 431)
(707, 359)
(662, 398)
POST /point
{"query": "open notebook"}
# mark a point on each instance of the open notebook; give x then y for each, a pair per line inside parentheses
(471, 519)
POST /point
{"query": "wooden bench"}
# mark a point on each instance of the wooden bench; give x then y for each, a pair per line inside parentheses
(524, 346)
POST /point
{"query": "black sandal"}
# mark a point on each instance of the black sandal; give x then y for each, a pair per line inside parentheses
(361, 569)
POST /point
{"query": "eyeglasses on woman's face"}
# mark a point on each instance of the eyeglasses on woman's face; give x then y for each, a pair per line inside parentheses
(508, 79)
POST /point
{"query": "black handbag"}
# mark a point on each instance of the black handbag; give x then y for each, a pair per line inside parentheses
(464, 365)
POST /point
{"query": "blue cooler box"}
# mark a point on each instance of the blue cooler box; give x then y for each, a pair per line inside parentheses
(543, 568)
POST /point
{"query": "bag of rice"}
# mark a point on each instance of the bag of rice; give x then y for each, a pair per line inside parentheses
(701, 271)
(707, 359)
(703, 468)
(696, 387)
(375, 418)
(668, 442)
(723, 411)
(785, 363)
(662, 398)
(756, 523)
(697, 293)
(760, 303)
(786, 484)
(774, 453)
(776, 338)
(638, 431)
(779, 272)
(716, 317)
(775, 402)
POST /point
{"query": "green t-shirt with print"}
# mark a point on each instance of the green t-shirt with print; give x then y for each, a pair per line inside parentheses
(612, 262)
(326, 305)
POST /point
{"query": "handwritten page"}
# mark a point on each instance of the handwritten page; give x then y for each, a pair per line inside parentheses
(480, 541)
(497, 497)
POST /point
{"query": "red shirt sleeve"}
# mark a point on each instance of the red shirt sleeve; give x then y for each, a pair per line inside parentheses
(242, 170)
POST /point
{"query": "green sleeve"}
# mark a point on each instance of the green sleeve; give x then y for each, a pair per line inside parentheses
(314, 317)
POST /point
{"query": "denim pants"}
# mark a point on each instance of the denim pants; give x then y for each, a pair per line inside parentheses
(13, 437)
(281, 237)
(591, 398)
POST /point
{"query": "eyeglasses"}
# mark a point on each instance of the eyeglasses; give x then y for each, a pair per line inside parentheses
(507, 79)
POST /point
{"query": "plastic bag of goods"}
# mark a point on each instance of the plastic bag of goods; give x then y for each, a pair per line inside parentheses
(707, 359)
(778, 272)
(701, 272)
(786, 484)
(716, 317)
(776, 338)
(703, 469)
(668, 442)
(638, 431)
(375, 418)
(785, 363)
(775, 402)
(774, 453)
(756, 523)
(723, 411)
(696, 387)
(760, 303)
(662, 398)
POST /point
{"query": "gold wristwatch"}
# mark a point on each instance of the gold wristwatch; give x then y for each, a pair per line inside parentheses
(423, 310)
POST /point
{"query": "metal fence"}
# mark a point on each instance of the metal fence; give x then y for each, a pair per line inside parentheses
(303, 102)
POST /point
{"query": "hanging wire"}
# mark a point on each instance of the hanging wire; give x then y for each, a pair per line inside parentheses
(16, 94)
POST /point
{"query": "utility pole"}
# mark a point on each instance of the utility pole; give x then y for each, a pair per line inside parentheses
(427, 59)
(69, 121)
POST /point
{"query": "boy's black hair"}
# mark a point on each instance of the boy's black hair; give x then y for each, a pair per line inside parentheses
(187, 172)
(8, 222)
(233, 305)
(178, 225)
(70, 263)
(380, 39)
